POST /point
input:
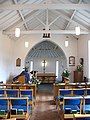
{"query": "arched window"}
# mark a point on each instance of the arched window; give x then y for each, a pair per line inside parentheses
(57, 68)
(31, 67)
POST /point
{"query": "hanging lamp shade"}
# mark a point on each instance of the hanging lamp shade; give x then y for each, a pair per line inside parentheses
(77, 30)
(66, 43)
(26, 44)
(17, 32)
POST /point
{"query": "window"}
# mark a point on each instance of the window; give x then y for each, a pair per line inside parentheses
(31, 67)
(89, 59)
(57, 68)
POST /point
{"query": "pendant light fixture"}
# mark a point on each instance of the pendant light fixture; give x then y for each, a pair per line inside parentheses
(66, 42)
(17, 32)
(77, 30)
(26, 44)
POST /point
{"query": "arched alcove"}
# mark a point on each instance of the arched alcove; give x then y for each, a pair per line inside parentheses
(50, 52)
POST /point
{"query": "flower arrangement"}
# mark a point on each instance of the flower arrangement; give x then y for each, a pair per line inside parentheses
(79, 68)
(34, 80)
(65, 73)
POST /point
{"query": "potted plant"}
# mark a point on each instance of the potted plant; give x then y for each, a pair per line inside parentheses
(66, 73)
(79, 68)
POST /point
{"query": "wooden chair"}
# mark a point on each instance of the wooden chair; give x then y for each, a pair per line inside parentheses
(72, 105)
(86, 105)
(61, 94)
(19, 108)
(28, 93)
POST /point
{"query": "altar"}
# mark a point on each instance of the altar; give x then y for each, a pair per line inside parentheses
(46, 77)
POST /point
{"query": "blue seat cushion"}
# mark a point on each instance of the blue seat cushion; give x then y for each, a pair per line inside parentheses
(19, 102)
(30, 97)
(4, 107)
(72, 107)
(24, 108)
(1, 92)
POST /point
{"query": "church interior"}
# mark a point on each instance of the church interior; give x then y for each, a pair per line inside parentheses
(45, 60)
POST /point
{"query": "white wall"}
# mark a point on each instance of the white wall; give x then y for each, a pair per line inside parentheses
(5, 57)
(83, 51)
(10, 50)
(21, 52)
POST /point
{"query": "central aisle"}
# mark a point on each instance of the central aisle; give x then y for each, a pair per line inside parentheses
(45, 109)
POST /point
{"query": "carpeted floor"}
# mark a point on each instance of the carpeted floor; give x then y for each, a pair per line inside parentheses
(45, 87)
(45, 109)
(47, 115)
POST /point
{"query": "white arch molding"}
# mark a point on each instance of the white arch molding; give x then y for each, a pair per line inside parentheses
(49, 51)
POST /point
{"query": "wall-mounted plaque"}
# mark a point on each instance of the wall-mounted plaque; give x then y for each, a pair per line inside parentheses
(18, 62)
(71, 61)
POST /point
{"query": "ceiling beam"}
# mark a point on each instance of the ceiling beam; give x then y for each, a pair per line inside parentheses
(45, 6)
(48, 31)
(69, 19)
(40, 21)
(20, 23)
(72, 16)
(55, 20)
(22, 17)
(47, 18)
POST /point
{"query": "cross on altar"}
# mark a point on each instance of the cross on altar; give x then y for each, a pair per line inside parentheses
(44, 65)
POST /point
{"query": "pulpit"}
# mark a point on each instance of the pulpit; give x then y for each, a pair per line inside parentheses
(78, 76)
(46, 77)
